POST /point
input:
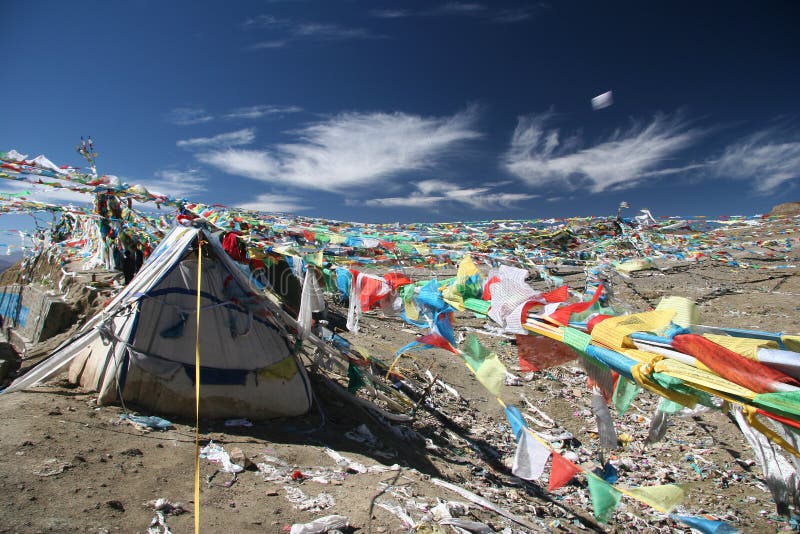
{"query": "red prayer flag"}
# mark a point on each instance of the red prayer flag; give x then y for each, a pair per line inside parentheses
(560, 294)
(538, 352)
(562, 315)
(396, 279)
(487, 287)
(561, 472)
(436, 340)
(732, 366)
(373, 289)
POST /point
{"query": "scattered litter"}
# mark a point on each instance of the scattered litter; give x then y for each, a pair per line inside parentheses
(163, 508)
(301, 501)
(146, 422)
(470, 526)
(480, 501)
(215, 453)
(52, 467)
(348, 465)
(399, 512)
(323, 524)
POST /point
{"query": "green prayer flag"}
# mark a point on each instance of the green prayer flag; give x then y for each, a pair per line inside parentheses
(475, 353)
(576, 339)
(488, 369)
(624, 394)
(355, 380)
(668, 406)
(605, 497)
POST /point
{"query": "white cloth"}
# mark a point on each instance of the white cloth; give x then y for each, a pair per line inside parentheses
(530, 458)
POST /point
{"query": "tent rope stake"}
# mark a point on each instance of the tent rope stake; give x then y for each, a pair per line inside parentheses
(197, 391)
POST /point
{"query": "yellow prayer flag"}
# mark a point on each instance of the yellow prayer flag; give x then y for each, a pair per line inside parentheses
(686, 311)
(662, 498)
(423, 250)
(791, 342)
(466, 268)
(492, 374)
(747, 347)
(614, 331)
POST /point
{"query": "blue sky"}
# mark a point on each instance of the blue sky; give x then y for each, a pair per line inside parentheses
(415, 111)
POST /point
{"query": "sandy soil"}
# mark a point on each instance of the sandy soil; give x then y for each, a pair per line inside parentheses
(69, 465)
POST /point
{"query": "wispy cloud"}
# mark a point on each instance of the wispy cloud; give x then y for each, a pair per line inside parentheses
(257, 112)
(432, 193)
(177, 183)
(328, 32)
(274, 203)
(351, 149)
(770, 158)
(464, 9)
(516, 14)
(287, 30)
(269, 45)
(239, 137)
(49, 195)
(460, 8)
(541, 155)
(188, 116)
(255, 164)
(391, 13)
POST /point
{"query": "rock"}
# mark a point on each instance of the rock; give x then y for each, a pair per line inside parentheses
(238, 457)
(132, 452)
(116, 505)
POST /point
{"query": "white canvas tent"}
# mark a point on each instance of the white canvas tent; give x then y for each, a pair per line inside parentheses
(141, 348)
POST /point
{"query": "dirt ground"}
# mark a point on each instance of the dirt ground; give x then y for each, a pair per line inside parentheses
(69, 465)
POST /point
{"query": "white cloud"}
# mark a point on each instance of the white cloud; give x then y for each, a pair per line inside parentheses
(415, 200)
(239, 137)
(766, 157)
(257, 112)
(431, 193)
(540, 155)
(267, 45)
(390, 13)
(469, 9)
(188, 116)
(255, 164)
(512, 15)
(351, 149)
(288, 30)
(460, 8)
(329, 32)
(274, 203)
(50, 195)
(176, 183)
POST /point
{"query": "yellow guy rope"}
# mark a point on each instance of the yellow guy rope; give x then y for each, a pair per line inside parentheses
(197, 392)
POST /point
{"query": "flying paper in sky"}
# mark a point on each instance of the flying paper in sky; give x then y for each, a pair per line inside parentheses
(602, 101)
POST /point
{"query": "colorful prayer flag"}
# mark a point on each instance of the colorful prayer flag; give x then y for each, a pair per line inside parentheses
(487, 367)
(530, 458)
(561, 472)
(539, 352)
(663, 498)
(605, 497)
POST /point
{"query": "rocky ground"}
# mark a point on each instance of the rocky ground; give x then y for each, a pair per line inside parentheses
(72, 466)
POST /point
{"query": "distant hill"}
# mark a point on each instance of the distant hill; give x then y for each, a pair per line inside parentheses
(787, 209)
(8, 261)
